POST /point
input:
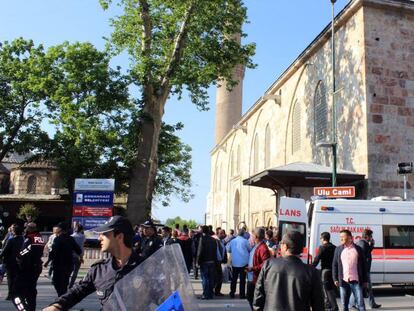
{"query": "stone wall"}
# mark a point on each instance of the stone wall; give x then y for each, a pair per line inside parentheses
(46, 179)
(229, 202)
(389, 44)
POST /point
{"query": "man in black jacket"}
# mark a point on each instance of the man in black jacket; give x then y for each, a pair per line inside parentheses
(116, 237)
(287, 283)
(11, 250)
(367, 244)
(62, 257)
(325, 256)
(29, 261)
(206, 259)
(349, 270)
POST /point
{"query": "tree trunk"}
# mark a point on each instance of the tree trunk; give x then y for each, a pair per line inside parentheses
(144, 171)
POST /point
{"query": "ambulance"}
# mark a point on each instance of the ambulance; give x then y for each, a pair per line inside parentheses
(392, 223)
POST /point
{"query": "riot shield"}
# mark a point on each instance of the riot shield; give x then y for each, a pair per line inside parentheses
(153, 281)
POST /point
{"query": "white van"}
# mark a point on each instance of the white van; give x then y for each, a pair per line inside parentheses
(392, 223)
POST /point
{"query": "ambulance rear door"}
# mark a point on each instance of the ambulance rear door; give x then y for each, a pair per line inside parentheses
(293, 217)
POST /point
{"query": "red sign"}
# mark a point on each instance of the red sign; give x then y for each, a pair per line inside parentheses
(92, 211)
(97, 211)
(335, 192)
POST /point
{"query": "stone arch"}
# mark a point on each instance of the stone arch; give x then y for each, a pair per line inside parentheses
(320, 113)
(293, 98)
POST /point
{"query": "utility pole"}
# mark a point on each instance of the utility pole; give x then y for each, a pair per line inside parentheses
(334, 123)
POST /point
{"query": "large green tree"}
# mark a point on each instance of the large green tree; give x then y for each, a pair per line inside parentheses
(95, 129)
(174, 45)
(25, 79)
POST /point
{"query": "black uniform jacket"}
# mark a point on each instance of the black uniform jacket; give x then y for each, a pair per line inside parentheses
(101, 278)
(288, 284)
(149, 245)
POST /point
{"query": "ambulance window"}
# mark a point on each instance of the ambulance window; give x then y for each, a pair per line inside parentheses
(293, 226)
(399, 236)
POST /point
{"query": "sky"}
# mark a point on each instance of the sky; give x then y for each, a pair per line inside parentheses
(281, 29)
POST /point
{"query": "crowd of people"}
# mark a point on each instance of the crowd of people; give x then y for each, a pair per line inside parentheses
(271, 274)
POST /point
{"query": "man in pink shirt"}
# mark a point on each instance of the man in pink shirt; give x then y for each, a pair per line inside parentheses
(349, 270)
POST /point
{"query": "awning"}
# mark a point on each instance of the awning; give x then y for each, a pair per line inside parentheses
(301, 174)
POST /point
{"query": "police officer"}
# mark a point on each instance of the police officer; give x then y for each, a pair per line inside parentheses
(30, 267)
(151, 242)
(116, 237)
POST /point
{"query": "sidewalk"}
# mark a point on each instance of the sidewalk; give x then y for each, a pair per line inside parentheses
(46, 295)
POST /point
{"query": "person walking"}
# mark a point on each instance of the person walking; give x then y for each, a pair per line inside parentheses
(61, 257)
(206, 260)
(367, 244)
(55, 233)
(221, 258)
(196, 240)
(325, 257)
(349, 271)
(186, 244)
(286, 283)
(258, 255)
(116, 237)
(30, 267)
(239, 248)
(10, 252)
(79, 238)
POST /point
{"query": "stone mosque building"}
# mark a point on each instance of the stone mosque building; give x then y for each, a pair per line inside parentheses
(271, 151)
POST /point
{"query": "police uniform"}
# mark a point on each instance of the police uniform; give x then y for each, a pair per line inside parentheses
(29, 268)
(103, 274)
(101, 278)
(149, 245)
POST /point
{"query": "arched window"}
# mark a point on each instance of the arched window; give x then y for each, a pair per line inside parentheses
(320, 113)
(268, 140)
(296, 127)
(31, 184)
(256, 153)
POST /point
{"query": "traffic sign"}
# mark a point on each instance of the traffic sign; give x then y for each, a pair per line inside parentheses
(335, 192)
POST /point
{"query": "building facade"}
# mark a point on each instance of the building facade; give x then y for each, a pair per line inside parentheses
(375, 116)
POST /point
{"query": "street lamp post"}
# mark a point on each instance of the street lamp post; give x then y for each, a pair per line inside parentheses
(334, 140)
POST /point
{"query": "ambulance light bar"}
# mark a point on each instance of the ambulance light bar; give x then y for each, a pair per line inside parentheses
(327, 208)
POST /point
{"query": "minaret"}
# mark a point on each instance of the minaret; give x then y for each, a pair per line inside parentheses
(229, 104)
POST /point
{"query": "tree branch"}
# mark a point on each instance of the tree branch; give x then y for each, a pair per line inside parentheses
(178, 49)
(146, 45)
(146, 27)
